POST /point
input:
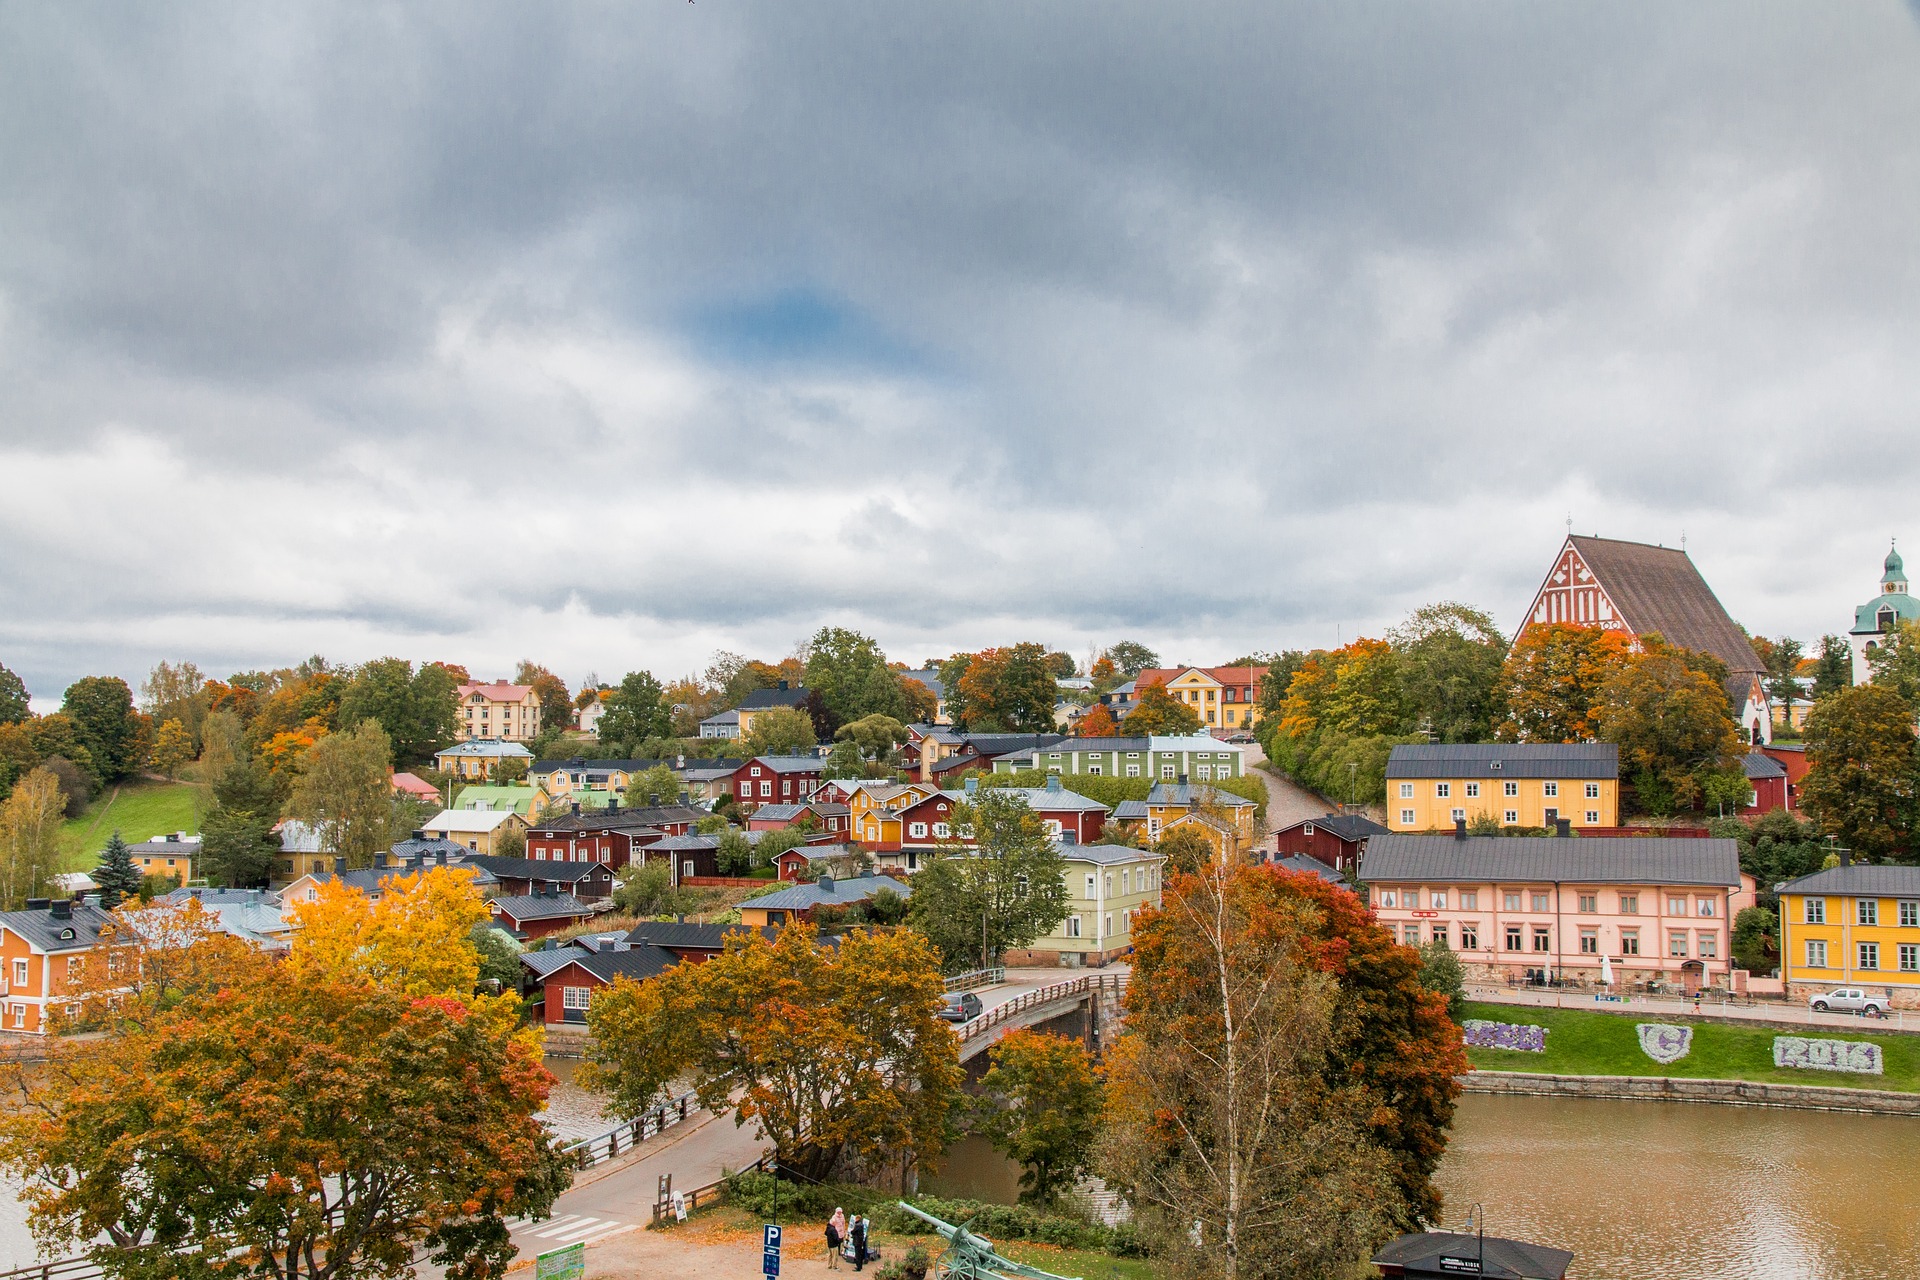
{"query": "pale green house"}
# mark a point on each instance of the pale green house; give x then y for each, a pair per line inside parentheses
(1107, 886)
(1164, 759)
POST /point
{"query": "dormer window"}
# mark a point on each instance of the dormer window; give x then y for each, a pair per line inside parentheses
(1885, 618)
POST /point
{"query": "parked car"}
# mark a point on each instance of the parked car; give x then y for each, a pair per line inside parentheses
(961, 1006)
(1849, 1000)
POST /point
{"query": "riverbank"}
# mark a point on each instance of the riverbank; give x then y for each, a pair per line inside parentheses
(1583, 1043)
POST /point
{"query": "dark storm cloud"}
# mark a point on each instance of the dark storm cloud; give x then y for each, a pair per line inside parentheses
(613, 332)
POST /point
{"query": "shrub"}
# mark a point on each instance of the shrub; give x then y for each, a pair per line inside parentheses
(912, 1266)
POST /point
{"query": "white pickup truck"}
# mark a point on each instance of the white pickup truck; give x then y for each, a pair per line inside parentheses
(1850, 1000)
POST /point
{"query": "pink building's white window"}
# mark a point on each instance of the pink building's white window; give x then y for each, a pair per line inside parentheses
(1630, 905)
(1541, 902)
(1709, 946)
(1677, 944)
(1513, 937)
(1629, 942)
(1703, 906)
(1469, 900)
(1470, 936)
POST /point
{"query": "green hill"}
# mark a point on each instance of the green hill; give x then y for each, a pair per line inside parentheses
(137, 810)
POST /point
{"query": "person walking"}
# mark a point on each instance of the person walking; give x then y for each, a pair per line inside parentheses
(859, 1237)
(836, 1232)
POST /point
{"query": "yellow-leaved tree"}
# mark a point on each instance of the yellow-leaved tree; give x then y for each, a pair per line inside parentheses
(415, 939)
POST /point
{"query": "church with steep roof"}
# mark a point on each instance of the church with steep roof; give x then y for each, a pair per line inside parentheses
(1641, 589)
(1880, 615)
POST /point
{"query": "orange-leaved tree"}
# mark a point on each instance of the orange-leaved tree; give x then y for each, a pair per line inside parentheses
(1156, 711)
(832, 1051)
(1040, 1104)
(416, 938)
(1098, 723)
(1552, 680)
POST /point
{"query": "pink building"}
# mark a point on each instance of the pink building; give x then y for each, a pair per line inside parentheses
(1529, 908)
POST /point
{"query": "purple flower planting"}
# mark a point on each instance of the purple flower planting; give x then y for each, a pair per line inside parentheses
(1524, 1037)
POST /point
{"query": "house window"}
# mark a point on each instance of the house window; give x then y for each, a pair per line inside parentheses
(1816, 953)
(1458, 814)
(1106, 925)
(19, 973)
(1166, 773)
(1593, 791)
(1073, 926)
(1816, 910)
(1512, 817)
(1441, 790)
(74, 964)
(1676, 906)
(1469, 900)
(1703, 906)
(1909, 957)
(1589, 942)
(1541, 902)
(918, 830)
(1473, 791)
(1550, 788)
(1629, 904)
(1709, 944)
(1439, 899)
(1589, 904)
(1090, 884)
(1868, 911)
(1869, 955)
(1411, 935)
(1512, 901)
(1406, 791)
(1469, 935)
(766, 790)
(1094, 769)
(19, 1017)
(1677, 944)
(1388, 898)
(941, 830)
(686, 867)
(1593, 816)
(1133, 771)
(1629, 942)
(1513, 937)
(1909, 915)
(1542, 938)
(1206, 772)
(1406, 817)
(575, 997)
(1509, 788)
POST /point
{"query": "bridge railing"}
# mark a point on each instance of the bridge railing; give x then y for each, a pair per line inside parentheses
(622, 1137)
(1093, 982)
(65, 1269)
(977, 978)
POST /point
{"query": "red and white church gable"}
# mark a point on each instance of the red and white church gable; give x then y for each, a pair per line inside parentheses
(1573, 595)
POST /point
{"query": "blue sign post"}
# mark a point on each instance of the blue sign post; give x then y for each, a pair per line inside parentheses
(770, 1249)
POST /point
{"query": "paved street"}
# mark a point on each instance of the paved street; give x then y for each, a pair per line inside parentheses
(1771, 1012)
(1287, 801)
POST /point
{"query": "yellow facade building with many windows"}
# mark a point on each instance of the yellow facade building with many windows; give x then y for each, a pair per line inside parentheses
(1431, 788)
(501, 711)
(1225, 698)
(1853, 926)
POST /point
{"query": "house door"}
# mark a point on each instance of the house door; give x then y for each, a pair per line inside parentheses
(1693, 976)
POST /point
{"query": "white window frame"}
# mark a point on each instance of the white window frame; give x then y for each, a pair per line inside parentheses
(1866, 911)
(1869, 956)
(1406, 791)
(1473, 791)
(1443, 791)
(1816, 953)
(1509, 789)
(1814, 910)
(1406, 817)
(576, 997)
(1593, 791)
(1073, 926)
(1550, 789)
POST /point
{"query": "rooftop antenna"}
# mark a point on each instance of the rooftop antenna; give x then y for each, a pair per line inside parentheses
(1569, 524)
(1683, 539)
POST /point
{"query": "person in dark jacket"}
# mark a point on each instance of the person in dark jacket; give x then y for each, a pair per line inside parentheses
(858, 1235)
(835, 1225)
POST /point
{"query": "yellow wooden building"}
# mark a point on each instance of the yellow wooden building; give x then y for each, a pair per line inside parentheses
(1431, 787)
(1225, 698)
(1852, 926)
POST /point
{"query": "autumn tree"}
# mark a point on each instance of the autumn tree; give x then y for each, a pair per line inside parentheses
(922, 706)
(1666, 708)
(299, 1130)
(109, 727)
(1006, 891)
(1105, 674)
(1860, 786)
(116, 875)
(634, 712)
(16, 704)
(647, 889)
(177, 693)
(1041, 1105)
(172, 748)
(238, 845)
(343, 794)
(555, 702)
(832, 1051)
(418, 710)
(1226, 1104)
(846, 760)
(1552, 680)
(782, 731)
(30, 821)
(1186, 850)
(415, 939)
(1009, 689)
(1097, 723)
(1131, 657)
(1155, 711)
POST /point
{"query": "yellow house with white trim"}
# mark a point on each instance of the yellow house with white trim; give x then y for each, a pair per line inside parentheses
(1225, 698)
(1853, 926)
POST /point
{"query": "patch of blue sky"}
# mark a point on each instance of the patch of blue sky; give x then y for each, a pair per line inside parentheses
(801, 326)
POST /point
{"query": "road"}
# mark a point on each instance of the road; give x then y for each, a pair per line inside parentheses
(618, 1196)
(1287, 801)
(1771, 1012)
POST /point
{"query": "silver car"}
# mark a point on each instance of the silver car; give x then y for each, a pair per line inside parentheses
(1850, 1000)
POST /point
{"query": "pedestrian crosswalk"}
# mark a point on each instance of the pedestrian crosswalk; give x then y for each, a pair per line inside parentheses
(567, 1228)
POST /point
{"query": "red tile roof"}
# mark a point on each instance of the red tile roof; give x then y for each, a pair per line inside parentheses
(498, 691)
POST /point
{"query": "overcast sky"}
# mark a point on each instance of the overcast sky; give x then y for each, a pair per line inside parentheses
(612, 334)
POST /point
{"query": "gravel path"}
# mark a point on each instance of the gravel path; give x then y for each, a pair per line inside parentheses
(1287, 801)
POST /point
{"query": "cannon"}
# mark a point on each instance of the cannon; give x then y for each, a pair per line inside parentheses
(972, 1257)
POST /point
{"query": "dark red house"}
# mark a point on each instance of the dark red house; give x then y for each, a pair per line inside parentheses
(537, 915)
(776, 780)
(1768, 778)
(1336, 840)
(1791, 756)
(609, 836)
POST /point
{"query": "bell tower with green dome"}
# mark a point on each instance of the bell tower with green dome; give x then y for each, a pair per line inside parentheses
(1880, 615)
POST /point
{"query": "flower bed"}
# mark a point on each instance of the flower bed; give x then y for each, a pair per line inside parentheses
(1664, 1042)
(1860, 1057)
(1524, 1037)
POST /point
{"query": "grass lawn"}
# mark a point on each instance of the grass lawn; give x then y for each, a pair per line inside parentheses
(1605, 1044)
(138, 810)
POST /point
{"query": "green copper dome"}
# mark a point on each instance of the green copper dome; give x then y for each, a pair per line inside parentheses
(1895, 569)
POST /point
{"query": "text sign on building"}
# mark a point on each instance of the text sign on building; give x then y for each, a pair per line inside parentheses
(1459, 1266)
(569, 1263)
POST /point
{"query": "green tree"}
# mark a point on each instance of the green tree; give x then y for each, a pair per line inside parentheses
(1132, 657)
(1895, 662)
(1756, 940)
(1186, 850)
(1442, 973)
(1041, 1108)
(107, 725)
(1005, 892)
(417, 710)
(172, 748)
(783, 731)
(647, 889)
(15, 703)
(1774, 848)
(1783, 670)
(1155, 711)
(734, 854)
(953, 674)
(116, 875)
(239, 847)
(634, 713)
(177, 693)
(30, 835)
(655, 780)
(1061, 665)
(344, 794)
(1449, 666)
(875, 735)
(1010, 689)
(1832, 667)
(851, 675)
(1666, 708)
(499, 956)
(844, 761)
(1860, 784)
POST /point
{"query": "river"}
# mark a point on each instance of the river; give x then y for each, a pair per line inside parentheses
(1658, 1190)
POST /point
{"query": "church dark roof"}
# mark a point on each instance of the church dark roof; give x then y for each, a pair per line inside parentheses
(1659, 589)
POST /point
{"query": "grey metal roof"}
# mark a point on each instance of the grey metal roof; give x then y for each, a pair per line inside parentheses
(694, 935)
(790, 764)
(560, 872)
(1097, 744)
(45, 933)
(638, 962)
(1188, 792)
(186, 848)
(1599, 760)
(1654, 860)
(1858, 879)
(779, 812)
(763, 699)
(531, 907)
(1350, 827)
(1128, 810)
(682, 844)
(854, 889)
(1312, 866)
(1044, 799)
(1760, 765)
(1104, 855)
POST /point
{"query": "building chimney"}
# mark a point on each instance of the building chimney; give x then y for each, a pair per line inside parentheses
(1563, 827)
(685, 799)
(576, 808)
(1846, 860)
(783, 686)
(62, 909)
(1053, 782)
(1459, 828)
(824, 884)
(440, 858)
(339, 866)
(973, 786)
(39, 904)
(1183, 779)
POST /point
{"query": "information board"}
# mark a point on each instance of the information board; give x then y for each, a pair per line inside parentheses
(567, 1263)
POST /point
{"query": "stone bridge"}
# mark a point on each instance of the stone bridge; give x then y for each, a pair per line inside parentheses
(1087, 1007)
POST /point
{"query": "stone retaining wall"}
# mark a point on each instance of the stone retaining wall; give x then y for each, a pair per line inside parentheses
(1738, 1093)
